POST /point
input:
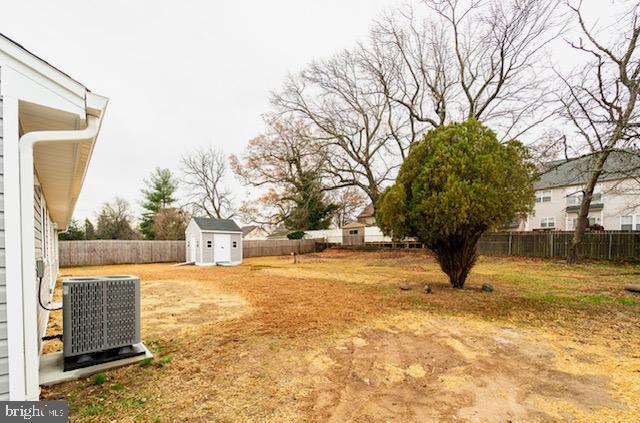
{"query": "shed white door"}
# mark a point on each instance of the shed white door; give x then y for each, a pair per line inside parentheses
(222, 245)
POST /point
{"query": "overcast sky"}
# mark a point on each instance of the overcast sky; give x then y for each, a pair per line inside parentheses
(182, 74)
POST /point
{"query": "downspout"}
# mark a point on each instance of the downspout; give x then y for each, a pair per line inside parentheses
(29, 291)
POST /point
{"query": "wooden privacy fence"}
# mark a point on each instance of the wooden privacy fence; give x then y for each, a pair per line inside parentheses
(259, 248)
(610, 245)
(88, 253)
(100, 252)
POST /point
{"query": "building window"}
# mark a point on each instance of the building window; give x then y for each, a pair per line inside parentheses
(209, 244)
(626, 223)
(575, 199)
(543, 196)
(548, 222)
(235, 244)
(637, 222)
(355, 231)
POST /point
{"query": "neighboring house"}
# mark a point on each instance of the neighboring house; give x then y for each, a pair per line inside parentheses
(367, 216)
(48, 126)
(616, 199)
(254, 232)
(212, 242)
(279, 232)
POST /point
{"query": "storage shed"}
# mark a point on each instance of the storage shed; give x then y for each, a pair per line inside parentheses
(212, 242)
(353, 234)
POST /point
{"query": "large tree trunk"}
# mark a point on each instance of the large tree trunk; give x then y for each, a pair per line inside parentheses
(456, 256)
(585, 205)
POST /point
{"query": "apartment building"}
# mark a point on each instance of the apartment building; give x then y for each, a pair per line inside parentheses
(616, 199)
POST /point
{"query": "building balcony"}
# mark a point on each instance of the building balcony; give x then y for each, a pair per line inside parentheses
(576, 208)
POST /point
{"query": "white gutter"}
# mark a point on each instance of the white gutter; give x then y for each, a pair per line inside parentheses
(27, 218)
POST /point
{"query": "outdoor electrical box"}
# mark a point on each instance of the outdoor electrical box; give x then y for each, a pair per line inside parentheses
(101, 318)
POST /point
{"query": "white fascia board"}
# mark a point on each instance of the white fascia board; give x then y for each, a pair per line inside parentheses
(33, 64)
(24, 84)
(95, 104)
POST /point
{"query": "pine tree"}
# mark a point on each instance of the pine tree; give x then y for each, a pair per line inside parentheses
(158, 194)
(311, 210)
(73, 232)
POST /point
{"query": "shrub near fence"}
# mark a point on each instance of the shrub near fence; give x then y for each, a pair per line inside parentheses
(610, 245)
(101, 252)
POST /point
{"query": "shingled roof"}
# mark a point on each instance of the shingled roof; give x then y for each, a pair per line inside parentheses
(619, 165)
(210, 224)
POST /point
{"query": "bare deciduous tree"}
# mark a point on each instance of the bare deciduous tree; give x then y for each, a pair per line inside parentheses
(115, 221)
(170, 223)
(346, 109)
(465, 59)
(350, 202)
(469, 59)
(203, 172)
(601, 103)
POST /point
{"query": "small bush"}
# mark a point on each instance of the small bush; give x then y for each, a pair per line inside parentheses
(99, 379)
(295, 235)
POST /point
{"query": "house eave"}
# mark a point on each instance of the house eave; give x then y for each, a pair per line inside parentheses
(42, 67)
(61, 159)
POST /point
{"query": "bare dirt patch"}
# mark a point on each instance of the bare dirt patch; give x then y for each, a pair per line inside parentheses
(171, 306)
(442, 368)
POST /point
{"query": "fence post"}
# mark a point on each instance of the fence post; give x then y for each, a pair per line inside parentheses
(510, 236)
(610, 243)
(551, 241)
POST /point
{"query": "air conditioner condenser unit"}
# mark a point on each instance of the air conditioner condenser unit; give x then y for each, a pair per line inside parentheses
(101, 319)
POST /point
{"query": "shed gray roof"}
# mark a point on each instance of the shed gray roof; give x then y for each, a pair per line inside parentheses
(619, 165)
(210, 224)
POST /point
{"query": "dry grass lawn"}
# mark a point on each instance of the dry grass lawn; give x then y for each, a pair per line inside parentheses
(333, 338)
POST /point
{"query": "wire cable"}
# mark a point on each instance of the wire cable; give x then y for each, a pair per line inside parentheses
(40, 297)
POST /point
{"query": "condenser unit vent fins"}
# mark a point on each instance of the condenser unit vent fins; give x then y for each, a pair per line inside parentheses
(100, 313)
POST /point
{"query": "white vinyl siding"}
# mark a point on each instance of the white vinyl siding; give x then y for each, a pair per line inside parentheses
(236, 247)
(46, 249)
(4, 360)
